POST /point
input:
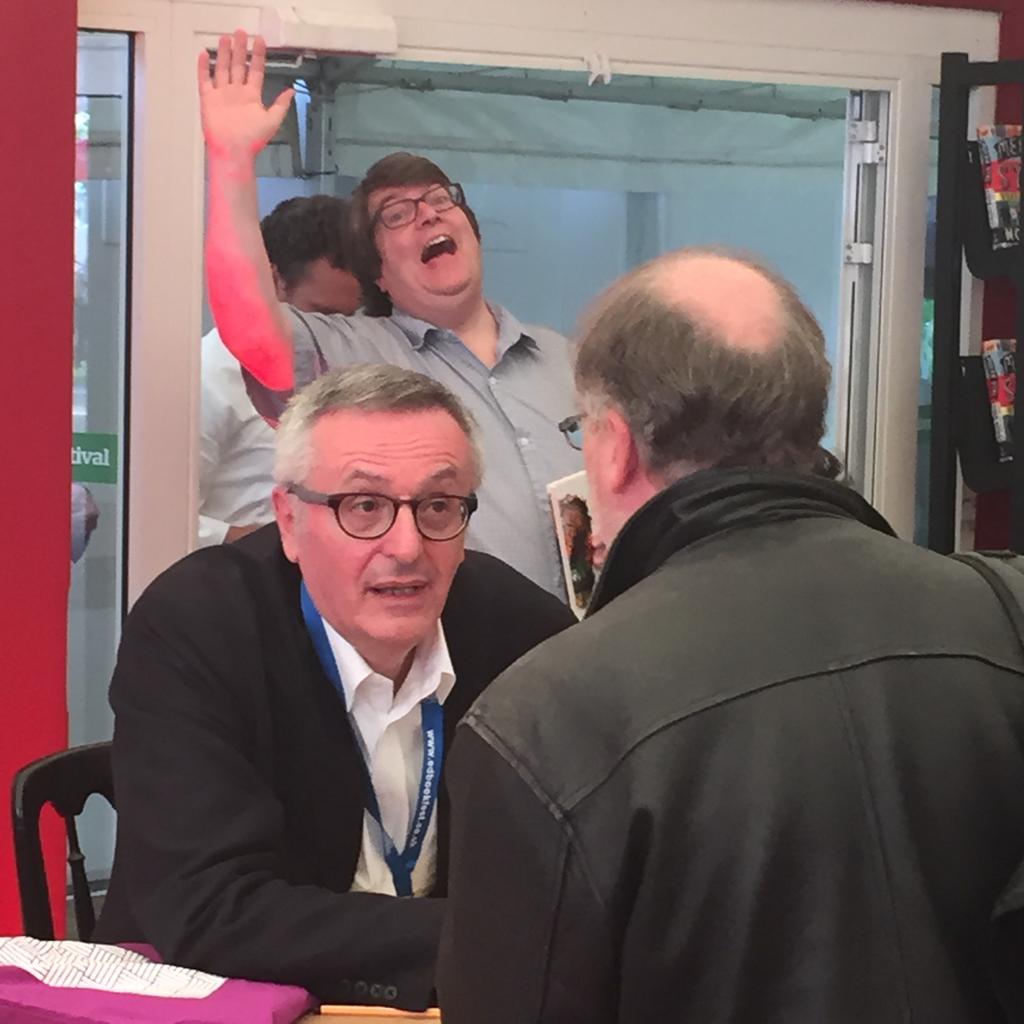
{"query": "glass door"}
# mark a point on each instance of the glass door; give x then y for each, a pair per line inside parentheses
(99, 404)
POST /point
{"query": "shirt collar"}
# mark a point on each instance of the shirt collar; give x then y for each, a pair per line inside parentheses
(431, 672)
(419, 332)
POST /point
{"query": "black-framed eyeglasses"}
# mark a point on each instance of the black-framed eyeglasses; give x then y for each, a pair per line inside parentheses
(369, 516)
(396, 213)
(572, 430)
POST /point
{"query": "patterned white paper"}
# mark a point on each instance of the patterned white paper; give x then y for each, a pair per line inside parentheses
(107, 968)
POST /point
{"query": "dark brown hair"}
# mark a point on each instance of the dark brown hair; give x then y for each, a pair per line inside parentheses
(304, 229)
(691, 399)
(396, 170)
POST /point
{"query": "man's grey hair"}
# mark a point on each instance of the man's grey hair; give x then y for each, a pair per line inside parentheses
(692, 400)
(365, 388)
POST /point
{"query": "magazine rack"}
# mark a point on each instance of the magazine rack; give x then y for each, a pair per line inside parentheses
(961, 417)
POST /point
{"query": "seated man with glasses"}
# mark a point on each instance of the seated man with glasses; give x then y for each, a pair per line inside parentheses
(283, 705)
(415, 248)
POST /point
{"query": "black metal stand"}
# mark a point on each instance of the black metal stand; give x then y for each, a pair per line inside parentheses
(956, 231)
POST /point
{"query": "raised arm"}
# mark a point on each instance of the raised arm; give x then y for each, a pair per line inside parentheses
(236, 126)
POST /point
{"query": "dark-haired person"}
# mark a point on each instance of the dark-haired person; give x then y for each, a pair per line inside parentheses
(782, 779)
(304, 239)
(416, 251)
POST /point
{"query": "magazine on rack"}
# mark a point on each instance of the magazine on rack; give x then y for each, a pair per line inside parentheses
(570, 506)
(999, 146)
(997, 356)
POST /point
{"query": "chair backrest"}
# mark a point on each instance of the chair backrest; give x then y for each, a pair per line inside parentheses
(65, 780)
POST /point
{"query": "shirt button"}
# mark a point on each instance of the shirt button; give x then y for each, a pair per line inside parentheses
(523, 442)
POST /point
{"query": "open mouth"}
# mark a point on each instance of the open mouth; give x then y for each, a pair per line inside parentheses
(398, 590)
(442, 245)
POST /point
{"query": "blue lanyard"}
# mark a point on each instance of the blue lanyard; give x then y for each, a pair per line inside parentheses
(401, 862)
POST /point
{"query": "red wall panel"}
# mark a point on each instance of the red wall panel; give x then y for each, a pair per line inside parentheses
(37, 108)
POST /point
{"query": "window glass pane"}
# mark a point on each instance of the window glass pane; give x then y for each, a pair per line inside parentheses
(98, 406)
(574, 185)
(924, 396)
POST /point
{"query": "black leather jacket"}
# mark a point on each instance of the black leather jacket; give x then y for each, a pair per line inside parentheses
(776, 776)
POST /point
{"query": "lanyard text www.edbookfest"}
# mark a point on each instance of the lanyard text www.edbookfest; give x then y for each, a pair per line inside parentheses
(401, 862)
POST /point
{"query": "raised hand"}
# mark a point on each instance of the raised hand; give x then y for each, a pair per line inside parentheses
(235, 121)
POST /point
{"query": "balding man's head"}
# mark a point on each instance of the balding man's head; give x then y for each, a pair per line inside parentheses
(732, 300)
(712, 360)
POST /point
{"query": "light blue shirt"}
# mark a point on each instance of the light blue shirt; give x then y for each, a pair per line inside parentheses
(517, 404)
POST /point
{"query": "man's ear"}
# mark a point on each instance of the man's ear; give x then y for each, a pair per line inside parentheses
(287, 521)
(280, 288)
(622, 456)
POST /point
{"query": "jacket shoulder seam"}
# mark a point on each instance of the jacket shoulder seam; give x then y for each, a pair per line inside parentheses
(573, 799)
(871, 814)
(558, 813)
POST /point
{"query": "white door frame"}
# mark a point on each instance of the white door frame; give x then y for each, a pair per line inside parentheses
(850, 45)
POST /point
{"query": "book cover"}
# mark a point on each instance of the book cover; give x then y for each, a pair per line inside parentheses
(999, 146)
(998, 357)
(570, 506)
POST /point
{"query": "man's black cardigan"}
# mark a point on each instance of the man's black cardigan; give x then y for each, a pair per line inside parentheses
(240, 788)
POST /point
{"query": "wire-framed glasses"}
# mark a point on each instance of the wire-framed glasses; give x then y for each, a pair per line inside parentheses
(572, 430)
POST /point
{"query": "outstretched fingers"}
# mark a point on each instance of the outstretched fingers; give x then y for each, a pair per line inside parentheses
(203, 73)
(279, 108)
(222, 73)
(257, 63)
(238, 55)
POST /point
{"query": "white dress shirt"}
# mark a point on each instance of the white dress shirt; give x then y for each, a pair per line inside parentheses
(391, 728)
(236, 449)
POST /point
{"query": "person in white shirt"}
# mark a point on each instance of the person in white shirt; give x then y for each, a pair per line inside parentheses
(305, 242)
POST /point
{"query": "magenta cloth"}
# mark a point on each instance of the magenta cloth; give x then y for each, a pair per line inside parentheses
(26, 1000)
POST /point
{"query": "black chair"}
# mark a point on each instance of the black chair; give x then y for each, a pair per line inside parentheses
(65, 780)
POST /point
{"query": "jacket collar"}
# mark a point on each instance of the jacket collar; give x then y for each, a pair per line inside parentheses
(715, 500)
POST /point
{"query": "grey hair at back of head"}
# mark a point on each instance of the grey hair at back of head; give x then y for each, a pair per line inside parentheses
(365, 388)
(691, 399)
